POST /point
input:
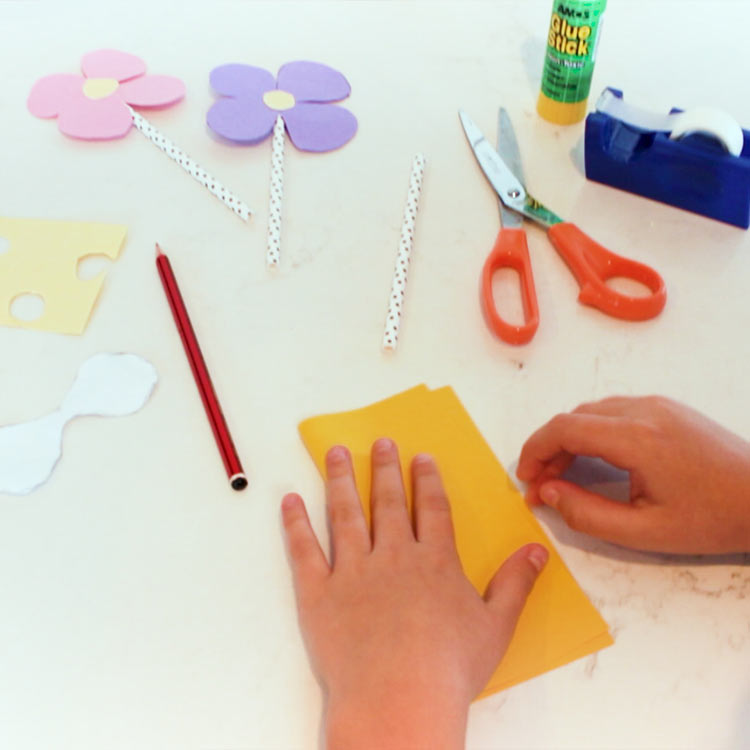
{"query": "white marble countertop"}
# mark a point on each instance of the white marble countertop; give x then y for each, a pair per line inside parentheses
(146, 605)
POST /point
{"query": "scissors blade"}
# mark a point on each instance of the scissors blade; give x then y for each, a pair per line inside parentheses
(507, 186)
(507, 147)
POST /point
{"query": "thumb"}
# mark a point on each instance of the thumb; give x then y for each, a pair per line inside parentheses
(596, 515)
(506, 593)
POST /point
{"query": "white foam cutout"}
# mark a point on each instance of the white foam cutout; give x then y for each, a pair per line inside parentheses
(107, 385)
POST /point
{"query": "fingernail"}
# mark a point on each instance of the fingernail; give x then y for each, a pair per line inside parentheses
(290, 501)
(337, 454)
(383, 445)
(550, 496)
(422, 459)
(538, 556)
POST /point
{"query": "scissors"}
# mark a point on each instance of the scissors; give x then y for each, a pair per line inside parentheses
(591, 263)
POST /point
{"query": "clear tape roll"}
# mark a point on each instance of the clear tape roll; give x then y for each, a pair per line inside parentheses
(708, 121)
(712, 122)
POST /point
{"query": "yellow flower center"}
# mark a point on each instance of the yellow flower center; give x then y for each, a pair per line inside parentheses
(278, 99)
(98, 88)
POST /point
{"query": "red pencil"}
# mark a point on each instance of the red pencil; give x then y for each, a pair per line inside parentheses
(232, 464)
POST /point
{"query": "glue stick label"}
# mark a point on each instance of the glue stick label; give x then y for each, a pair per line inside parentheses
(572, 39)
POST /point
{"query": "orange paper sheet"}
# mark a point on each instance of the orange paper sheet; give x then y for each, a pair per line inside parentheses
(491, 520)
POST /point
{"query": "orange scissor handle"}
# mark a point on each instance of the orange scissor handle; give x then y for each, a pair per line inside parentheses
(592, 265)
(511, 251)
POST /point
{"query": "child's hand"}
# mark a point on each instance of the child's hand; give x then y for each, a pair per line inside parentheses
(398, 636)
(689, 477)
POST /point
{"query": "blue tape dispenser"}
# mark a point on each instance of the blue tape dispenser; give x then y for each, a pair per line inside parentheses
(698, 159)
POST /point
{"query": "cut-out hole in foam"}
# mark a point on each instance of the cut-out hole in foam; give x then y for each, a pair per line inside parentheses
(108, 385)
(90, 266)
(27, 307)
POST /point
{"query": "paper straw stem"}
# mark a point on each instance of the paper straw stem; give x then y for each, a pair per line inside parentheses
(277, 195)
(398, 288)
(229, 199)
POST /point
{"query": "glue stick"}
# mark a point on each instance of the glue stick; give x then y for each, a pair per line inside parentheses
(574, 32)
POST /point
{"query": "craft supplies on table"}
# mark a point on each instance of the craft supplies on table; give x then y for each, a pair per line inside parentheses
(98, 105)
(301, 100)
(401, 270)
(591, 263)
(224, 442)
(491, 519)
(698, 160)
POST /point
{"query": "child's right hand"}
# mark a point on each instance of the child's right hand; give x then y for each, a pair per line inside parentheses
(689, 477)
(400, 638)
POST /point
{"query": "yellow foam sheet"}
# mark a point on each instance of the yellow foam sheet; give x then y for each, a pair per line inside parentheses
(42, 258)
(491, 520)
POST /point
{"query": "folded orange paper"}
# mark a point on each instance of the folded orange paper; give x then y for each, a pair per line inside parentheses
(491, 520)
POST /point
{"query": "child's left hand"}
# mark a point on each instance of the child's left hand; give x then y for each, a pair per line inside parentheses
(397, 634)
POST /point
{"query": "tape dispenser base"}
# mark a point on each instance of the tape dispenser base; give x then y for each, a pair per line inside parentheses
(695, 172)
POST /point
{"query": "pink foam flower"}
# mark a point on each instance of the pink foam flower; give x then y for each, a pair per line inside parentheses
(96, 105)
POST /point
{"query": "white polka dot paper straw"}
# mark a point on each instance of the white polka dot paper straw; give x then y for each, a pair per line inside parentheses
(273, 254)
(398, 288)
(229, 199)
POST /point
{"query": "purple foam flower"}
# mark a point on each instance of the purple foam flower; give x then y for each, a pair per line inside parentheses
(302, 94)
